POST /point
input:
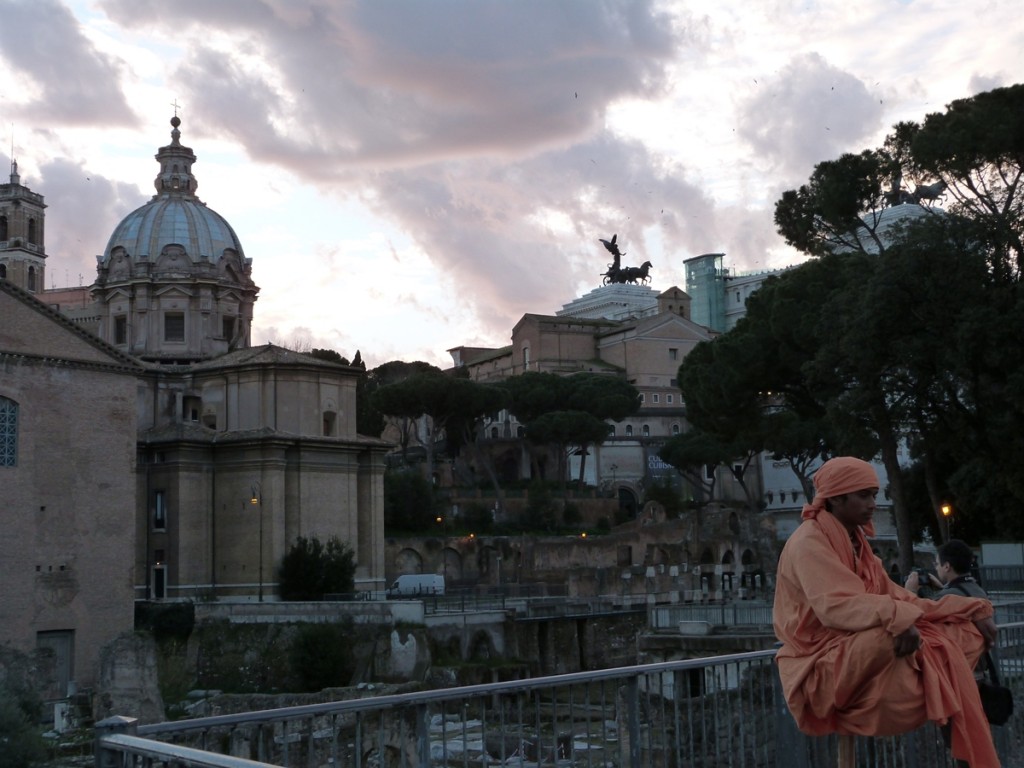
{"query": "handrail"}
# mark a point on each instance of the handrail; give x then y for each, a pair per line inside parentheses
(439, 694)
(165, 752)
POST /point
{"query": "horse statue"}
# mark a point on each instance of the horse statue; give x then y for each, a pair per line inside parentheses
(929, 192)
(924, 193)
(619, 274)
(636, 274)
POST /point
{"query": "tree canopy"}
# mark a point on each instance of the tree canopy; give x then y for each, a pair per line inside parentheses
(569, 412)
(901, 330)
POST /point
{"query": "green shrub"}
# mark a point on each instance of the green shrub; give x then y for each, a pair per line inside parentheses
(322, 655)
(167, 621)
(409, 502)
(312, 569)
(21, 744)
(668, 496)
(476, 518)
(571, 515)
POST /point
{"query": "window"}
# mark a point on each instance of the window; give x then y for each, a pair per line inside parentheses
(3, 227)
(668, 399)
(643, 397)
(32, 230)
(3, 271)
(159, 510)
(675, 429)
(526, 358)
(174, 326)
(611, 430)
(646, 430)
(227, 327)
(330, 419)
(673, 382)
(656, 397)
(190, 408)
(8, 433)
(629, 430)
(31, 278)
(673, 353)
(121, 330)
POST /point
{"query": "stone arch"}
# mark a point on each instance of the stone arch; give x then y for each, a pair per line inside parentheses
(481, 647)
(408, 560)
(451, 565)
(727, 558)
(747, 557)
(707, 557)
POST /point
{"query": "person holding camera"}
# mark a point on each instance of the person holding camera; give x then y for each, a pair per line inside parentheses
(953, 565)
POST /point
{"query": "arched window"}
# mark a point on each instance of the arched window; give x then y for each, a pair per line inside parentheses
(646, 430)
(31, 278)
(526, 358)
(31, 230)
(629, 430)
(675, 429)
(3, 227)
(8, 433)
(3, 271)
(330, 423)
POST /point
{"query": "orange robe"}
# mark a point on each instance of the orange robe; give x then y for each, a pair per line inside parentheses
(837, 617)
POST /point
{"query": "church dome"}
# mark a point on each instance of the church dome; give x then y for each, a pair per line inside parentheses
(174, 216)
(203, 232)
(173, 285)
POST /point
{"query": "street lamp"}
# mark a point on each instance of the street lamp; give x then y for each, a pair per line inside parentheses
(947, 515)
(257, 499)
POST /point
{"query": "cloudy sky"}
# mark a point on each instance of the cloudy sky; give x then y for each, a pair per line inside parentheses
(412, 175)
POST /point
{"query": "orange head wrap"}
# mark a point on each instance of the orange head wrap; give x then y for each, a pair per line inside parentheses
(844, 474)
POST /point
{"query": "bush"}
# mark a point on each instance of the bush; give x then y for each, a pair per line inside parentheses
(167, 621)
(322, 655)
(311, 569)
(666, 495)
(571, 515)
(540, 509)
(409, 503)
(22, 744)
(476, 518)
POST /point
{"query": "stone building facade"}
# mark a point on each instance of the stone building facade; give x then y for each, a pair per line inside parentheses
(618, 330)
(68, 414)
(152, 452)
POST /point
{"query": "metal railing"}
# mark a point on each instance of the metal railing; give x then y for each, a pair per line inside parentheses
(719, 711)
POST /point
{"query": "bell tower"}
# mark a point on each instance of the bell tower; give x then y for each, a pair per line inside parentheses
(22, 251)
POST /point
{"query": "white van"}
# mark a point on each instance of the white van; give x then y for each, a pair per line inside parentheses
(414, 584)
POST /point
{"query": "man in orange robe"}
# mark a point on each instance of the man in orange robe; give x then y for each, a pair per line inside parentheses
(861, 654)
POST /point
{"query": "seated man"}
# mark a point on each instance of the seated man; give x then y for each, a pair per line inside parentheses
(862, 655)
(953, 562)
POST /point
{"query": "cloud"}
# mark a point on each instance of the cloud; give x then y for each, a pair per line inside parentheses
(514, 235)
(324, 88)
(808, 112)
(64, 78)
(82, 210)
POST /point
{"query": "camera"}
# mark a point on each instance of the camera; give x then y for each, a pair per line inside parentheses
(923, 575)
